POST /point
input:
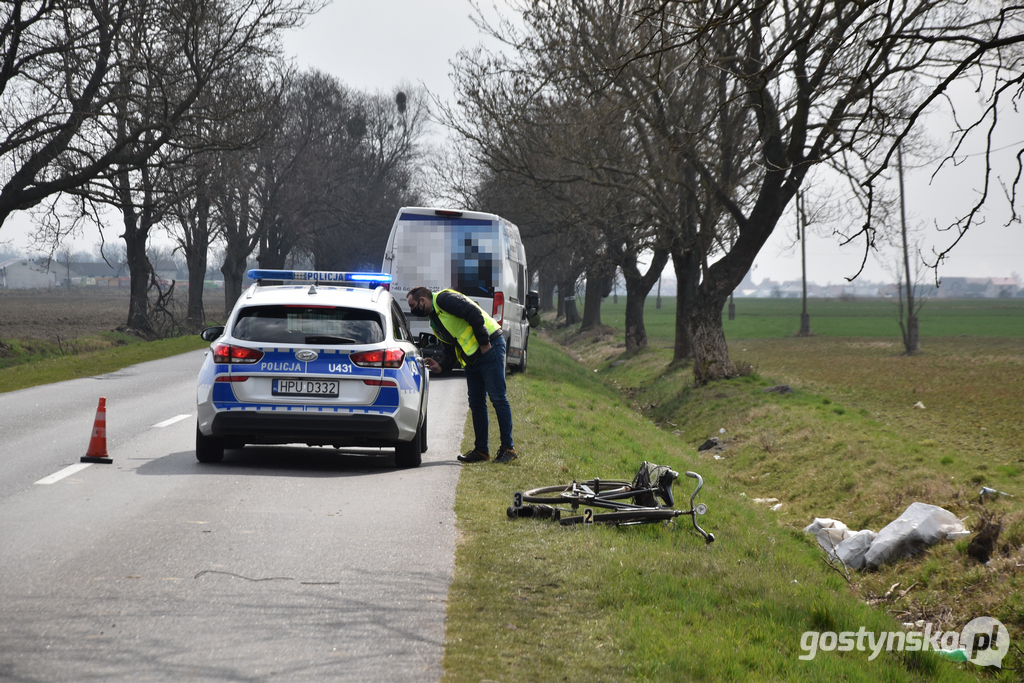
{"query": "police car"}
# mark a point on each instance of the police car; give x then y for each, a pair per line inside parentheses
(313, 357)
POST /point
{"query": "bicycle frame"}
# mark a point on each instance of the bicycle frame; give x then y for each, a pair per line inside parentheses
(590, 495)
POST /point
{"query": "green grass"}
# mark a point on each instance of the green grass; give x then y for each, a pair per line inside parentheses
(534, 601)
(772, 318)
(31, 363)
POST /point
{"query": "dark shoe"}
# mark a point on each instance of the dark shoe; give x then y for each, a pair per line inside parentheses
(506, 455)
(474, 456)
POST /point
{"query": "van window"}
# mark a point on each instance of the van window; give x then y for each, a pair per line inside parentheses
(441, 252)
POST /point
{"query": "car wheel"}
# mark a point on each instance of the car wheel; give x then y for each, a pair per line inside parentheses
(409, 453)
(522, 358)
(208, 448)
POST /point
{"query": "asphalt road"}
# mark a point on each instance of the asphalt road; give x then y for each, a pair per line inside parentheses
(279, 564)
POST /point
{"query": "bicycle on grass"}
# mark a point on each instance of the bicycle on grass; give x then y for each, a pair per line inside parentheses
(651, 483)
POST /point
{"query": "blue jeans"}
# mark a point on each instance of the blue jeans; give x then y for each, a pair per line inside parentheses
(486, 378)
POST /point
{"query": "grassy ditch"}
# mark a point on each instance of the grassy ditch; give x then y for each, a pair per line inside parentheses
(28, 363)
(534, 601)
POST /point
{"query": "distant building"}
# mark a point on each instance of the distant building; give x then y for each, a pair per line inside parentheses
(1002, 288)
(25, 274)
(90, 274)
(978, 288)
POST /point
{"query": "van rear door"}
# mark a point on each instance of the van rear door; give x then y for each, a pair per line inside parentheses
(444, 252)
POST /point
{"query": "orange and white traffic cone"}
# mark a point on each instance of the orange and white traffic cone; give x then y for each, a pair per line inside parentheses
(98, 442)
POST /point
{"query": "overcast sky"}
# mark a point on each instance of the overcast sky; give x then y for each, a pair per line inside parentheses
(381, 44)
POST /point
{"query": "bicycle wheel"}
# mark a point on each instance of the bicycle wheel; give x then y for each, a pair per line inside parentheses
(623, 518)
(539, 511)
(562, 493)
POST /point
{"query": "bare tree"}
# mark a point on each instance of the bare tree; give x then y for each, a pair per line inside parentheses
(749, 97)
(63, 80)
(236, 95)
(519, 123)
(118, 133)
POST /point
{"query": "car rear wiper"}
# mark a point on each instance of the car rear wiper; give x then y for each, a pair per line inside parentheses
(328, 339)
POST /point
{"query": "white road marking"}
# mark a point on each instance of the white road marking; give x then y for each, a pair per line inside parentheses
(176, 418)
(66, 472)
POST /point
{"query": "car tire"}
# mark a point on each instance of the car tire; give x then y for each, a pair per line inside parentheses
(208, 448)
(409, 454)
(522, 357)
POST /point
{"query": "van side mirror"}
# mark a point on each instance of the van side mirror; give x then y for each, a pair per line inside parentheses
(532, 300)
(533, 308)
(211, 333)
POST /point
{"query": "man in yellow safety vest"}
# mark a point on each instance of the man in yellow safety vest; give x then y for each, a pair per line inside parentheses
(474, 340)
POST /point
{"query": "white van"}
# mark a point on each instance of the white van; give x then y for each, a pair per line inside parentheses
(477, 254)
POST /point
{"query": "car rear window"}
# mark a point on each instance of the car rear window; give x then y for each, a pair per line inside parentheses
(308, 325)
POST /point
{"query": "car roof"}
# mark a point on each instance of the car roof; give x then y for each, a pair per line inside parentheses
(316, 295)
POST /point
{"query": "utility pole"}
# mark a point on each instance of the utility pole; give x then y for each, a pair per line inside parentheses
(801, 228)
(911, 340)
(657, 302)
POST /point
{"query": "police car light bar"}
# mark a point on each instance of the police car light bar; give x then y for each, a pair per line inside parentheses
(318, 276)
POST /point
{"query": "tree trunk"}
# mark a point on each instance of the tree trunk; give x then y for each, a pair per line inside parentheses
(195, 316)
(710, 350)
(599, 283)
(275, 245)
(686, 263)
(233, 270)
(238, 244)
(546, 290)
(197, 248)
(567, 302)
(140, 271)
(638, 286)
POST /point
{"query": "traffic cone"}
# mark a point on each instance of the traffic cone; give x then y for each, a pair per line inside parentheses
(98, 443)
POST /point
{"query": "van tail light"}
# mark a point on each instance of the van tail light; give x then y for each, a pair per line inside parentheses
(225, 353)
(499, 308)
(382, 358)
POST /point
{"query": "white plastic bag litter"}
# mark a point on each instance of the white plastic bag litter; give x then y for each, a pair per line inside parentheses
(851, 551)
(920, 526)
(828, 532)
(829, 538)
(820, 523)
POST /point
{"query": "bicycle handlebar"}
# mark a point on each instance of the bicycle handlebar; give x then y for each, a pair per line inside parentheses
(708, 537)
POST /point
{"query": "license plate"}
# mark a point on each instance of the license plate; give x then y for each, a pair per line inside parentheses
(305, 387)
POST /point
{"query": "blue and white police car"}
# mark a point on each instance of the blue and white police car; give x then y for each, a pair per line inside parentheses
(313, 357)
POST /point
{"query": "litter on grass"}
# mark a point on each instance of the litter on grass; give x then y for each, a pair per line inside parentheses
(921, 525)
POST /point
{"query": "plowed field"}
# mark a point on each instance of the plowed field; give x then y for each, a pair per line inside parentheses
(45, 315)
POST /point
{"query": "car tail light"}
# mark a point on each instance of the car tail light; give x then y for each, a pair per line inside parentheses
(225, 353)
(232, 378)
(499, 307)
(380, 382)
(382, 358)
